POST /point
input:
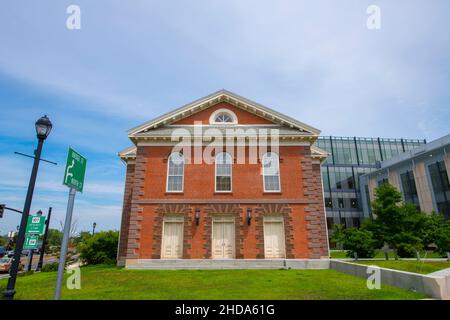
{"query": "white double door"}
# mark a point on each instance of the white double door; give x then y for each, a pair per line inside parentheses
(274, 240)
(223, 238)
(172, 243)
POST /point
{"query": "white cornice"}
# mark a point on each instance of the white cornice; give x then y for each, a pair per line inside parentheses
(223, 96)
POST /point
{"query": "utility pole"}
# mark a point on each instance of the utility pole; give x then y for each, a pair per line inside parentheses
(65, 243)
(44, 241)
(74, 179)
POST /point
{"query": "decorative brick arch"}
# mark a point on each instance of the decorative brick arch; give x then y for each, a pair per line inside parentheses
(274, 209)
(172, 209)
(223, 209)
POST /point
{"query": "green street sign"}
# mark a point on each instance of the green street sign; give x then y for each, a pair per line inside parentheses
(31, 241)
(75, 170)
(35, 225)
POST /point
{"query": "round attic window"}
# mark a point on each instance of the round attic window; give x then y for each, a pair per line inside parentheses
(223, 116)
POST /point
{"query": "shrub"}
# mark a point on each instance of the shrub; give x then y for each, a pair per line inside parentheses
(50, 267)
(100, 248)
(355, 240)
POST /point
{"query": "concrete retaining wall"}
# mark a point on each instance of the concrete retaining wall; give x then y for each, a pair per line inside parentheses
(228, 264)
(436, 286)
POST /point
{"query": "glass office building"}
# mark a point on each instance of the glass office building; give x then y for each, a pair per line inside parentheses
(421, 175)
(351, 157)
(440, 186)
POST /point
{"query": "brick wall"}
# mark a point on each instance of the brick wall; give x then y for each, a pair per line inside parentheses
(300, 202)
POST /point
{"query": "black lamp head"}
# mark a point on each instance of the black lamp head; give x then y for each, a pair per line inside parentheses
(43, 127)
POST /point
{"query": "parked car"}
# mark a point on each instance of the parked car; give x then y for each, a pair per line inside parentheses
(2, 252)
(5, 264)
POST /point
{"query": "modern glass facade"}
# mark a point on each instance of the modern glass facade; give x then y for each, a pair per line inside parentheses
(421, 175)
(351, 157)
(409, 190)
(441, 187)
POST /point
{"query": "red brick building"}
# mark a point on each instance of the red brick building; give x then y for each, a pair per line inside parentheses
(223, 178)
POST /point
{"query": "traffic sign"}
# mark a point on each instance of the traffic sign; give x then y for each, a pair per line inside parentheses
(35, 225)
(75, 170)
(31, 241)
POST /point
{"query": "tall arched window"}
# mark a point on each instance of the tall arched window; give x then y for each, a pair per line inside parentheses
(223, 172)
(271, 172)
(175, 172)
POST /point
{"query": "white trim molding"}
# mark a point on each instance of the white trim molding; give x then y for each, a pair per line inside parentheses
(231, 98)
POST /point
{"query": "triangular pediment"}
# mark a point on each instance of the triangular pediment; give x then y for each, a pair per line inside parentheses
(232, 99)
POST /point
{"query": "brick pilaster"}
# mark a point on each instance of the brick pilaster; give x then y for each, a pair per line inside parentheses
(126, 212)
(136, 209)
(314, 210)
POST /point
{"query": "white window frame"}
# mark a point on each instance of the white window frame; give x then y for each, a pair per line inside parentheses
(212, 118)
(215, 173)
(264, 174)
(167, 175)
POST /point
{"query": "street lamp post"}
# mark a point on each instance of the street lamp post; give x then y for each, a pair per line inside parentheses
(93, 228)
(43, 128)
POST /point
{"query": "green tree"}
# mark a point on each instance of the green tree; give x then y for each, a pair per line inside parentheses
(100, 248)
(438, 232)
(82, 237)
(355, 240)
(400, 225)
(54, 237)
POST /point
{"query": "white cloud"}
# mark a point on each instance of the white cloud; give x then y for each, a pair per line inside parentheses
(314, 60)
(101, 200)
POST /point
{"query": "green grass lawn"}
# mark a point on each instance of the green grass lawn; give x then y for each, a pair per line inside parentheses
(105, 282)
(341, 254)
(423, 267)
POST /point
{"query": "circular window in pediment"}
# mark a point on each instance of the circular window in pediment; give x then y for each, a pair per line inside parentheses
(223, 116)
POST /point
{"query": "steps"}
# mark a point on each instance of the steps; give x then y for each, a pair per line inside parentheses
(157, 264)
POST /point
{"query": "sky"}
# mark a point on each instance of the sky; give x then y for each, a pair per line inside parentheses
(134, 60)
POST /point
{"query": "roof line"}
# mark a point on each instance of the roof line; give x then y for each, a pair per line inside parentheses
(185, 107)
